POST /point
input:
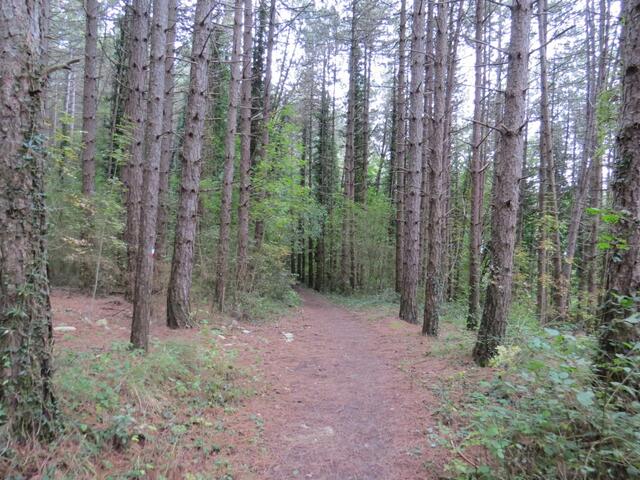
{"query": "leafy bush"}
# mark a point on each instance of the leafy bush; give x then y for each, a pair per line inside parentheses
(545, 415)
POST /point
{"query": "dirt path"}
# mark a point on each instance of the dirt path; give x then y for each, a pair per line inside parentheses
(340, 401)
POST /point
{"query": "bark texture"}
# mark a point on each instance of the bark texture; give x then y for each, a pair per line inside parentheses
(413, 173)
(153, 143)
(178, 307)
(26, 396)
(222, 260)
(505, 195)
(620, 336)
(135, 110)
(90, 99)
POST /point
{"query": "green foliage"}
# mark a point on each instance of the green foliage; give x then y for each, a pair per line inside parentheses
(82, 231)
(546, 415)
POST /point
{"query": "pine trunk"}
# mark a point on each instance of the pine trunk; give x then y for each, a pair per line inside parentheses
(150, 185)
(505, 195)
(90, 99)
(178, 305)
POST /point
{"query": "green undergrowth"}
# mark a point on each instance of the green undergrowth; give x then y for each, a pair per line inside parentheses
(543, 414)
(129, 415)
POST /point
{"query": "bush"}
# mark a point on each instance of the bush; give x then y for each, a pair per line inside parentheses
(545, 415)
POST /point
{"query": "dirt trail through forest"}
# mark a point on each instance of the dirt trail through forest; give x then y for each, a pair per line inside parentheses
(344, 399)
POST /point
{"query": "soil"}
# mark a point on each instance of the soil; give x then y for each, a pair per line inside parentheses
(340, 394)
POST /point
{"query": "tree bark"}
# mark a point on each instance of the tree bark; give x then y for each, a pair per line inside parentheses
(436, 229)
(178, 305)
(413, 173)
(90, 99)
(150, 186)
(166, 149)
(26, 396)
(620, 337)
(222, 260)
(242, 264)
(505, 195)
(400, 131)
(135, 112)
(477, 171)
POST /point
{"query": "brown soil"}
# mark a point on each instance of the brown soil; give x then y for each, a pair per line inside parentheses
(351, 396)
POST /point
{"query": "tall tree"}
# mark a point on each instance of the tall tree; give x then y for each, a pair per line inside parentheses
(222, 259)
(135, 110)
(399, 157)
(150, 186)
(90, 99)
(505, 194)
(620, 335)
(242, 263)
(26, 396)
(413, 171)
(166, 150)
(437, 179)
(178, 306)
(477, 170)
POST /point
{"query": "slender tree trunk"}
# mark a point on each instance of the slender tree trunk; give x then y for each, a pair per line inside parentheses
(477, 172)
(26, 396)
(413, 174)
(398, 168)
(266, 110)
(222, 260)
(178, 307)
(437, 178)
(505, 197)
(90, 99)
(150, 185)
(166, 149)
(135, 112)
(620, 336)
(245, 151)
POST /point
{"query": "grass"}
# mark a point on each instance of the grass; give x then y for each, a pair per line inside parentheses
(128, 415)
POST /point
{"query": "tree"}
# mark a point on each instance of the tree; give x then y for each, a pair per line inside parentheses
(166, 150)
(150, 186)
(505, 195)
(413, 172)
(242, 265)
(26, 396)
(178, 293)
(135, 110)
(222, 259)
(437, 179)
(621, 331)
(477, 170)
(90, 99)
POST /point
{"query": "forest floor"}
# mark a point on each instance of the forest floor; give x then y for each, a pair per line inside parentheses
(337, 392)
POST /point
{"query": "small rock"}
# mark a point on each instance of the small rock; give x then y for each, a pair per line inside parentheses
(246, 332)
(64, 328)
(288, 337)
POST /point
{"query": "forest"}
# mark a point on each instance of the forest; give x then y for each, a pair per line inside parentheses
(346, 239)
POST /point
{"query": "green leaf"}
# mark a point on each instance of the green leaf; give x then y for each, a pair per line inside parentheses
(585, 398)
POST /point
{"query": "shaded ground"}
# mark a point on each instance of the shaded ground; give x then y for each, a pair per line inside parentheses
(345, 395)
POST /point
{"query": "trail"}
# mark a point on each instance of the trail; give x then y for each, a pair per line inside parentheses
(344, 400)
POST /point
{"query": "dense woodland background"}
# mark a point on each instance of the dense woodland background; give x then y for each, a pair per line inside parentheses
(466, 155)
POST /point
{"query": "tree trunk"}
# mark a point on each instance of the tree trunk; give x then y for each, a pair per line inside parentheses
(166, 149)
(178, 307)
(620, 336)
(245, 152)
(222, 260)
(477, 172)
(435, 272)
(413, 174)
(505, 195)
(398, 168)
(90, 99)
(150, 186)
(26, 396)
(135, 112)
